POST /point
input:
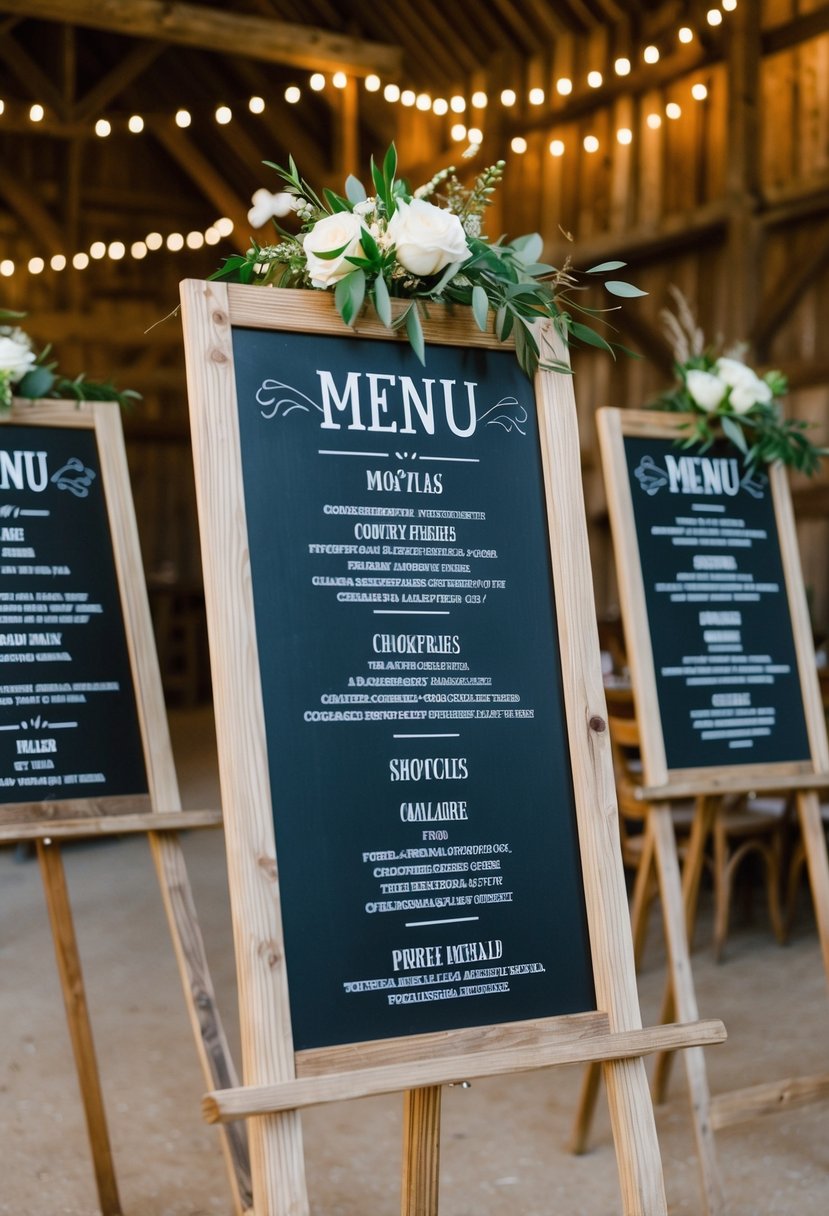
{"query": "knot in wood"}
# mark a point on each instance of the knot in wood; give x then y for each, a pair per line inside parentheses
(219, 317)
(597, 724)
(218, 356)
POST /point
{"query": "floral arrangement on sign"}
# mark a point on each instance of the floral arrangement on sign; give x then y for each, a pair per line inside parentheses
(422, 246)
(26, 373)
(728, 398)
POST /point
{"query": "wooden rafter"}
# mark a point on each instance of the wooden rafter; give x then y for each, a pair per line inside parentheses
(784, 296)
(32, 214)
(209, 180)
(31, 76)
(217, 29)
(133, 65)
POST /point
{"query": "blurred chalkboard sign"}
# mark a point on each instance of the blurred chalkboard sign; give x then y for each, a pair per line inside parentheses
(717, 628)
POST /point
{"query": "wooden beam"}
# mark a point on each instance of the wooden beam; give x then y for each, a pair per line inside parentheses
(743, 172)
(30, 74)
(34, 218)
(786, 293)
(209, 180)
(133, 65)
(219, 29)
(792, 33)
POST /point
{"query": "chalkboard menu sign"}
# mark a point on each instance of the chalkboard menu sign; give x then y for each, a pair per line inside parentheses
(713, 605)
(422, 795)
(69, 727)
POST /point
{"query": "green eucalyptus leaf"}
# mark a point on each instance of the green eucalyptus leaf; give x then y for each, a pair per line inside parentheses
(527, 248)
(349, 295)
(382, 302)
(617, 288)
(480, 307)
(36, 383)
(734, 432)
(355, 191)
(415, 332)
(604, 267)
(589, 336)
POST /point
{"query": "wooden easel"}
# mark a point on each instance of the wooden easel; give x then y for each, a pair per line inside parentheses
(802, 777)
(280, 1081)
(158, 814)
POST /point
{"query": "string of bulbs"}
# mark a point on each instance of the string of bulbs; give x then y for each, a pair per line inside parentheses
(456, 107)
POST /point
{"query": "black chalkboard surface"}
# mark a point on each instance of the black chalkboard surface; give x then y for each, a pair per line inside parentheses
(68, 720)
(719, 618)
(423, 804)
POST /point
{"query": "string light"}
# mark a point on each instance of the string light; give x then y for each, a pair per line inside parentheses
(622, 66)
(408, 97)
(423, 101)
(154, 240)
(58, 261)
(536, 97)
(2, 105)
(564, 86)
(36, 112)
(7, 267)
(699, 91)
(595, 80)
(194, 240)
(183, 118)
(138, 250)
(103, 127)
(212, 236)
(624, 135)
(479, 100)
(508, 97)
(475, 135)
(713, 16)
(590, 143)
(116, 250)
(339, 80)
(556, 147)
(729, 5)
(392, 92)
(97, 250)
(372, 83)
(80, 261)
(457, 104)
(458, 132)
(686, 34)
(175, 242)
(223, 115)
(440, 106)
(292, 94)
(36, 265)
(136, 124)
(518, 144)
(256, 105)
(654, 121)
(651, 54)
(317, 82)
(673, 110)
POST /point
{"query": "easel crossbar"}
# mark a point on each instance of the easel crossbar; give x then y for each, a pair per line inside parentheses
(223, 1106)
(740, 1105)
(111, 825)
(731, 782)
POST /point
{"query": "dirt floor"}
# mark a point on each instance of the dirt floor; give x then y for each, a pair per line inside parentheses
(502, 1142)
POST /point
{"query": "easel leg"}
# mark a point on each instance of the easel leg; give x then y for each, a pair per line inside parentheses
(814, 843)
(77, 1017)
(634, 1138)
(691, 878)
(673, 911)
(421, 1152)
(640, 904)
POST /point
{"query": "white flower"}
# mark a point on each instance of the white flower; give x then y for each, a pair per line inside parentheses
(427, 238)
(366, 207)
(16, 355)
(734, 372)
(267, 206)
(706, 389)
(339, 231)
(747, 389)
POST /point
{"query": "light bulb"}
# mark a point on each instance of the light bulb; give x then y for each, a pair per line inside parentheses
(292, 94)
(135, 124)
(556, 147)
(256, 105)
(372, 83)
(183, 118)
(519, 144)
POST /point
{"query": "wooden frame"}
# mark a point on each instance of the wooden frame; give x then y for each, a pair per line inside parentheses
(158, 813)
(708, 784)
(279, 1080)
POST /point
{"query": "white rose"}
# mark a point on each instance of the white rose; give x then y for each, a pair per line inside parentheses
(742, 399)
(427, 238)
(706, 389)
(339, 231)
(16, 356)
(734, 372)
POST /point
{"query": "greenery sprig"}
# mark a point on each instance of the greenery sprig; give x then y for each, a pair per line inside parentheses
(25, 372)
(727, 398)
(425, 246)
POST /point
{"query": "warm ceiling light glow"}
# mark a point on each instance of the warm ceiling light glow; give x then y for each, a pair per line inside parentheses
(194, 240)
(673, 110)
(103, 127)
(624, 135)
(651, 54)
(135, 124)
(223, 115)
(591, 144)
(36, 265)
(440, 106)
(317, 82)
(564, 86)
(58, 261)
(458, 132)
(729, 5)
(408, 97)
(518, 144)
(80, 261)
(536, 97)
(479, 100)
(392, 92)
(475, 135)
(686, 34)
(556, 147)
(699, 91)
(622, 66)
(7, 267)
(713, 16)
(372, 83)
(339, 80)
(423, 101)
(97, 250)
(293, 94)
(457, 104)
(154, 240)
(654, 121)
(224, 226)
(256, 105)
(595, 80)
(212, 236)
(508, 97)
(116, 250)
(175, 242)
(36, 112)
(138, 250)
(183, 118)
